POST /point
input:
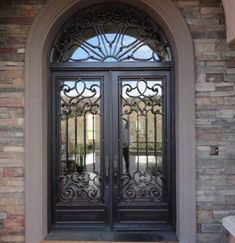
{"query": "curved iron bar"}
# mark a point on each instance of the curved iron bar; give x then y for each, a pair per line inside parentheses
(80, 186)
(143, 185)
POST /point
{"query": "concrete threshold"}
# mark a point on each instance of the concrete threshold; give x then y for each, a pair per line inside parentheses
(58, 241)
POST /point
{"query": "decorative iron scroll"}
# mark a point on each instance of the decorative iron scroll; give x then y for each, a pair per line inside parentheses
(142, 98)
(142, 101)
(80, 186)
(142, 185)
(72, 98)
(79, 100)
(110, 33)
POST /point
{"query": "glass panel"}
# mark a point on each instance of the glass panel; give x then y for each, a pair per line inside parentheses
(110, 33)
(119, 48)
(80, 149)
(142, 139)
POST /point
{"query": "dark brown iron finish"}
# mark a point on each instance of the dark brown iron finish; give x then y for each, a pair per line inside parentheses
(111, 66)
(84, 190)
(137, 100)
(69, 213)
(78, 100)
(144, 204)
(112, 123)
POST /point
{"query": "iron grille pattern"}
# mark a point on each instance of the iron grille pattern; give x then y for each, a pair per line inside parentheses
(142, 185)
(110, 33)
(79, 102)
(80, 186)
(142, 106)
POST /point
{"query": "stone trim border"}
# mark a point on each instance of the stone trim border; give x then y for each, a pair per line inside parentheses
(229, 224)
(41, 33)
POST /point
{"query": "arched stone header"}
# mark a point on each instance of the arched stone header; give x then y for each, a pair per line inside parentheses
(229, 9)
(41, 34)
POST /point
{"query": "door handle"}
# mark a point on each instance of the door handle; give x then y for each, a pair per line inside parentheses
(115, 171)
(115, 174)
(107, 164)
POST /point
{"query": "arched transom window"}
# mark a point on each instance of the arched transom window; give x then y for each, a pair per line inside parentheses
(110, 33)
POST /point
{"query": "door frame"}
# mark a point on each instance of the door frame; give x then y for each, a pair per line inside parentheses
(36, 85)
(111, 69)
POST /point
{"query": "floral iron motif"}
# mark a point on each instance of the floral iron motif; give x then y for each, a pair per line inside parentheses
(142, 185)
(142, 98)
(80, 186)
(79, 98)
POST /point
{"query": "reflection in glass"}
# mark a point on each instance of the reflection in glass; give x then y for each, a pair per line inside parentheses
(142, 140)
(79, 124)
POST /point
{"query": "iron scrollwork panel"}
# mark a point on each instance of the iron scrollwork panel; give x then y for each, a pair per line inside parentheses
(142, 140)
(79, 119)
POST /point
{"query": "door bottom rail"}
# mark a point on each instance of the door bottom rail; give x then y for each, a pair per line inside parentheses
(111, 236)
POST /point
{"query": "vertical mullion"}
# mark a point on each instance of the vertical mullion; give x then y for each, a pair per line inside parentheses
(67, 141)
(155, 138)
(93, 141)
(75, 136)
(146, 139)
(138, 138)
(84, 137)
(164, 135)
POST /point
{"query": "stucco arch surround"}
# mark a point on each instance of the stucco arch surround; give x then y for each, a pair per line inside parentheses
(229, 8)
(36, 107)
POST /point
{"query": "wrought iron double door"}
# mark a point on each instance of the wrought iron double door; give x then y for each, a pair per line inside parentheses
(112, 149)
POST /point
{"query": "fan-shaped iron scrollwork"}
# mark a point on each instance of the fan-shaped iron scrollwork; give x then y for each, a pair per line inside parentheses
(110, 33)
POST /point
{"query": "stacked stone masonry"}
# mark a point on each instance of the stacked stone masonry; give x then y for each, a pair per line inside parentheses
(214, 111)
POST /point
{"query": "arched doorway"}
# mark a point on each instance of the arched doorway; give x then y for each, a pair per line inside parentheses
(36, 103)
(112, 122)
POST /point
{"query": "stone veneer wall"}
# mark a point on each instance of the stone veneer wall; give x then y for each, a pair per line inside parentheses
(215, 112)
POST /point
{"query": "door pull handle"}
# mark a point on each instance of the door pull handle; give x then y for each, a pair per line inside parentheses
(115, 171)
(115, 174)
(107, 172)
